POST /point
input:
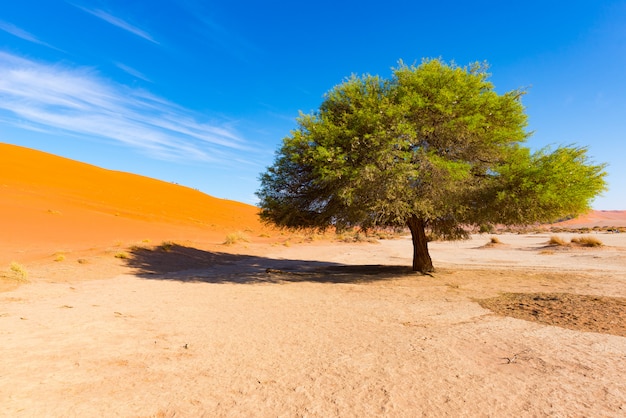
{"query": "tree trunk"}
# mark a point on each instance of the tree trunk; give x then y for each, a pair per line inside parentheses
(421, 258)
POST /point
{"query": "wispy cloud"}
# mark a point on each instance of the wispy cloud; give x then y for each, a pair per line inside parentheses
(216, 33)
(68, 100)
(120, 23)
(132, 71)
(226, 40)
(21, 33)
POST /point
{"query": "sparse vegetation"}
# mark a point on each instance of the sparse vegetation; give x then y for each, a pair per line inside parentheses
(607, 229)
(557, 241)
(143, 245)
(122, 254)
(59, 257)
(235, 237)
(389, 233)
(354, 236)
(17, 272)
(584, 241)
(495, 240)
(167, 246)
(587, 241)
(313, 236)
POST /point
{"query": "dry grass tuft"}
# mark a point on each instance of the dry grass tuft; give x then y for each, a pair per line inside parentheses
(17, 273)
(235, 237)
(167, 246)
(143, 245)
(355, 236)
(493, 243)
(495, 240)
(557, 241)
(587, 241)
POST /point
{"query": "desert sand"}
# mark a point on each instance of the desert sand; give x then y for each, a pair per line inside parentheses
(128, 311)
(53, 203)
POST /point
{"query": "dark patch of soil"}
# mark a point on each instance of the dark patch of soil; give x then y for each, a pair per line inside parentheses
(601, 314)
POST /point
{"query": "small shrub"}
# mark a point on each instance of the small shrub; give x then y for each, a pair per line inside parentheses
(358, 237)
(384, 235)
(350, 236)
(557, 241)
(19, 272)
(235, 237)
(59, 257)
(343, 237)
(311, 236)
(141, 246)
(587, 241)
(167, 246)
(122, 254)
(495, 240)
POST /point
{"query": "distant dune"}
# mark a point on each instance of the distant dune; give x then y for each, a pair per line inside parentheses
(49, 203)
(603, 218)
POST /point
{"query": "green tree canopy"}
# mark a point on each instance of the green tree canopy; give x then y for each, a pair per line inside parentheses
(434, 148)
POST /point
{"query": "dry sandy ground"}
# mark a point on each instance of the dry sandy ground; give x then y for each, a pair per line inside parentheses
(115, 320)
(193, 331)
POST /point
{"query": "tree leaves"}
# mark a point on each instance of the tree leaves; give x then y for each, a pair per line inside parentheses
(435, 141)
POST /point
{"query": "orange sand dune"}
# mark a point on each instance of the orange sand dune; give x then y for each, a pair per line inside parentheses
(602, 218)
(49, 203)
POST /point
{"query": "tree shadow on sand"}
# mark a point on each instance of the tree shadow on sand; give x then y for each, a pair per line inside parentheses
(188, 264)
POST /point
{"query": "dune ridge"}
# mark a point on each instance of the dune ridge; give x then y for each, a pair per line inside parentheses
(50, 202)
(601, 218)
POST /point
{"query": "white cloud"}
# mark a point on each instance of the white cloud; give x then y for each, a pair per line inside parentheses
(120, 23)
(77, 101)
(22, 34)
(132, 71)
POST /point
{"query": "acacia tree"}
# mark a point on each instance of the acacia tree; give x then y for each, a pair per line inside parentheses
(434, 148)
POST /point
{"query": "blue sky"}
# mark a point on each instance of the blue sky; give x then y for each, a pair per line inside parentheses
(201, 93)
